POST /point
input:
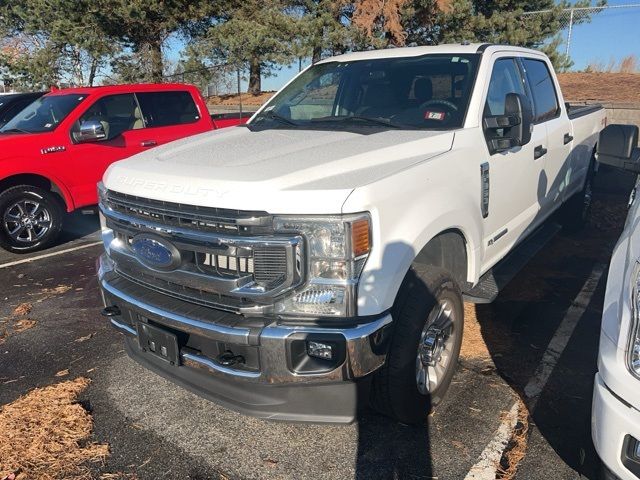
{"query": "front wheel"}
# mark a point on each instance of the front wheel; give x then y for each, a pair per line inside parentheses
(428, 318)
(31, 218)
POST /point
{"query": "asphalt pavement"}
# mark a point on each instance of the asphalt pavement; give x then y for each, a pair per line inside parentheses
(158, 430)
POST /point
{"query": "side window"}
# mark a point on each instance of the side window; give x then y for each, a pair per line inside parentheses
(161, 109)
(117, 113)
(545, 99)
(505, 78)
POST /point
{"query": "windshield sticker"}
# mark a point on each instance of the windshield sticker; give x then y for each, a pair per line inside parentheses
(80, 99)
(429, 115)
(268, 109)
(47, 125)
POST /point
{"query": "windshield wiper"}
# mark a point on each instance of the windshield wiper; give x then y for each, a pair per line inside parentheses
(14, 130)
(275, 116)
(357, 118)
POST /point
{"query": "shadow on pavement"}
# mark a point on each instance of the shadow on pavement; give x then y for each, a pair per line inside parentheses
(518, 326)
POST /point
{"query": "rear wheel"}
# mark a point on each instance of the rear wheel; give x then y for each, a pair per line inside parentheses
(31, 218)
(423, 354)
(577, 210)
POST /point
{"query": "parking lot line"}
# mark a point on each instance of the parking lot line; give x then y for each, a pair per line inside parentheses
(47, 255)
(485, 467)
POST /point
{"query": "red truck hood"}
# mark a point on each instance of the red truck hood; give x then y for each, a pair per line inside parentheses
(280, 171)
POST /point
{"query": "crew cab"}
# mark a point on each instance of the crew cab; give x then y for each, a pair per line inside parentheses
(616, 402)
(54, 152)
(319, 256)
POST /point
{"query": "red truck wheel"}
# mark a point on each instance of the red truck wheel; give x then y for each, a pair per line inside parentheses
(31, 218)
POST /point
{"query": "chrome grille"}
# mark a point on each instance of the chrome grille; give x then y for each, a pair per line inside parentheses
(270, 266)
(222, 270)
(225, 264)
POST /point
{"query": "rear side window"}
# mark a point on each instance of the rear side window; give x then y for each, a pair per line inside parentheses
(161, 109)
(545, 100)
(505, 79)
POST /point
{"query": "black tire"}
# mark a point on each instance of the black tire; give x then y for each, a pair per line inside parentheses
(395, 391)
(576, 211)
(43, 224)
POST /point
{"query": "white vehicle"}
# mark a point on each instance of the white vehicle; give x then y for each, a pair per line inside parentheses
(290, 268)
(616, 397)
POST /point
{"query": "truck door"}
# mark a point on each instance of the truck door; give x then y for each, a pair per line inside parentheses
(514, 178)
(547, 113)
(170, 115)
(119, 115)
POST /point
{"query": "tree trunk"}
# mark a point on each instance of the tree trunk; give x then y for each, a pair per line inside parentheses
(316, 56)
(255, 86)
(155, 53)
(93, 70)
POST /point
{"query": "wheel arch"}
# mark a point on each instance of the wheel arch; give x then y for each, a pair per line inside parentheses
(41, 181)
(448, 250)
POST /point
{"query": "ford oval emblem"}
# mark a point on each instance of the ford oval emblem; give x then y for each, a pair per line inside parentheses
(155, 252)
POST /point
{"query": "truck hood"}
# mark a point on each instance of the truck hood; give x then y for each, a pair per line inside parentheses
(278, 170)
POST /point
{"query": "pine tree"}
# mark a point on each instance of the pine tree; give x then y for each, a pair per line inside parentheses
(253, 35)
(46, 42)
(144, 26)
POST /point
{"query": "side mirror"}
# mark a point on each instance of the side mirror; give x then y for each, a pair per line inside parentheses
(516, 124)
(92, 131)
(618, 147)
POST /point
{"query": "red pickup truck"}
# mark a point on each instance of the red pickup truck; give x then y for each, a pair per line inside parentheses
(54, 152)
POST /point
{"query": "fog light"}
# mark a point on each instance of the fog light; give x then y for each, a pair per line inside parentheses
(320, 350)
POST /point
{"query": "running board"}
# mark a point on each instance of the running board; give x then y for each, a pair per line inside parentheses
(490, 284)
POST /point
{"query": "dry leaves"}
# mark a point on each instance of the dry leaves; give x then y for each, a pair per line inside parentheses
(46, 435)
(59, 290)
(22, 310)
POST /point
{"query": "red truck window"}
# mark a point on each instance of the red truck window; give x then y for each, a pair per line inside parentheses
(161, 109)
(117, 113)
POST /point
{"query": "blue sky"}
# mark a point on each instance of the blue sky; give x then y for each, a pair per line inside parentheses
(612, 34)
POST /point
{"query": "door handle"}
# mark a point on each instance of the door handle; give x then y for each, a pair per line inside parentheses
(148, 143)
(568, 138)
(539, 151)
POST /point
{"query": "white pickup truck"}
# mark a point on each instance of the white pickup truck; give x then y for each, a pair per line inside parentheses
(616, 398)
(318, 257)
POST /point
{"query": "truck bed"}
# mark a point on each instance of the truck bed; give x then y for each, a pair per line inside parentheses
(578, 110)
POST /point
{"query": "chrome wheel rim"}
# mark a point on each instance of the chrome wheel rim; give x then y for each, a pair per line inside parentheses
(27, 221)
(435, 349)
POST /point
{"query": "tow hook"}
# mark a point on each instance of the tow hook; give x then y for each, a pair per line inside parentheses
(228, 358)
(112, 311)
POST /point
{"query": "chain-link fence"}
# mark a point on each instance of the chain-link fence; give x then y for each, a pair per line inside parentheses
(588, 30)
(220, 84)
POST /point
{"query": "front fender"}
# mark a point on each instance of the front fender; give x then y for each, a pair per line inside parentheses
(16, 166)
(406, 215)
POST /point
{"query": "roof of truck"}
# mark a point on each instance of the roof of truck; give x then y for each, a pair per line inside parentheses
(450, 48)
(129, 87)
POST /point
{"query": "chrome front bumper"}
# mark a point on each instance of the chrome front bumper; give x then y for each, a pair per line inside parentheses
(274, 388)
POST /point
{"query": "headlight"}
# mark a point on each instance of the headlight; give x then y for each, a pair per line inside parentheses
(634, 347)
(337, 249)
(107, 233)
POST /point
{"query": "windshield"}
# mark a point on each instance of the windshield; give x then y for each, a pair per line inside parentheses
(43, 115)
(426, 92)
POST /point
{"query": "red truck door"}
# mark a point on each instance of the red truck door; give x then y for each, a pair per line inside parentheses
(122, 120)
